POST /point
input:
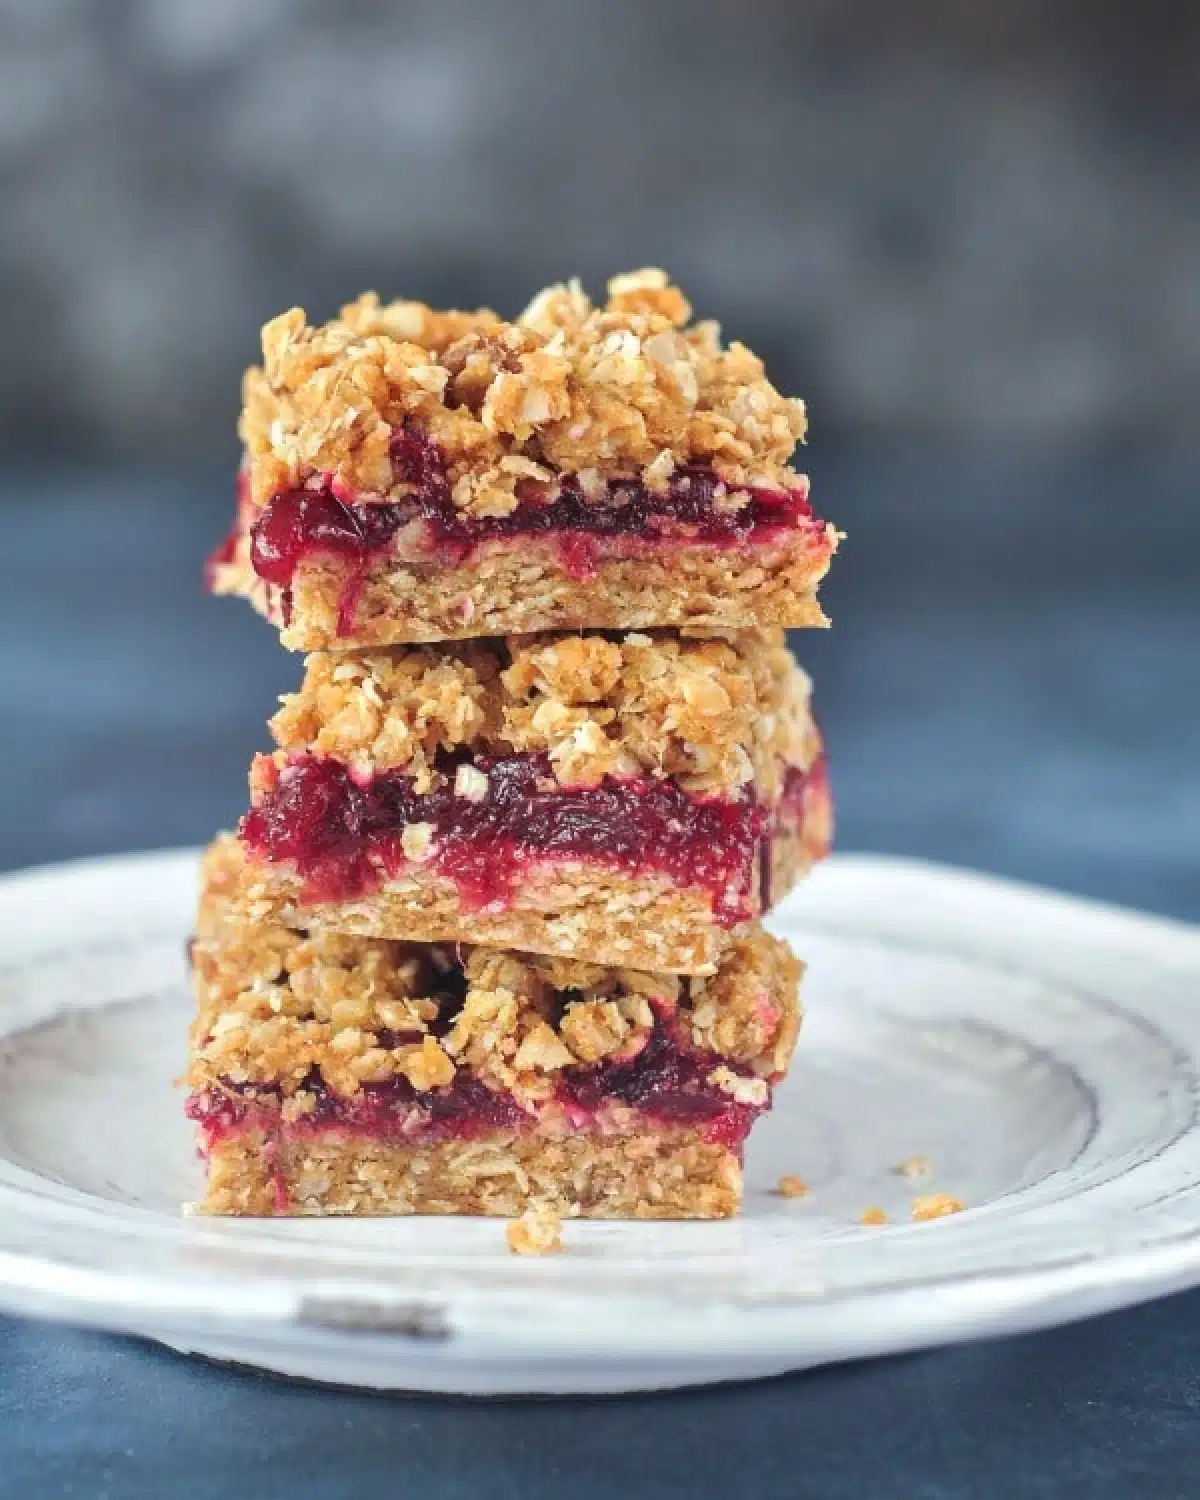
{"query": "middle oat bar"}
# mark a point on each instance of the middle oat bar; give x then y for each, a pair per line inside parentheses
(625, 799)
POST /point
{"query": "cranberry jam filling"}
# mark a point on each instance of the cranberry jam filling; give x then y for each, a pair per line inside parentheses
(344, 835)
(669, 1080)
(391, 1110)
(315, 521)
(668, 1083)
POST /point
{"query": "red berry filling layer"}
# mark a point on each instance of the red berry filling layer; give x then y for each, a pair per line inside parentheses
(345, 835)
(668, 1082)
(426, 527)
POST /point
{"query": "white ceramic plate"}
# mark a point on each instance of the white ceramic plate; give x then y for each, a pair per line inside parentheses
(1040, 1050)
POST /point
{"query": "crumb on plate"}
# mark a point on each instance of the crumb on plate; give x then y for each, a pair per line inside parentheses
(936, 1206)
(790, 1186)
(873, 1216)
(537, 1232)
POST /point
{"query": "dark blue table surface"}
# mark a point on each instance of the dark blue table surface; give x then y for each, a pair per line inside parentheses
(1013, 683)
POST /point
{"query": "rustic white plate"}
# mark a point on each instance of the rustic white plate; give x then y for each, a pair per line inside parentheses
(1040, 1050)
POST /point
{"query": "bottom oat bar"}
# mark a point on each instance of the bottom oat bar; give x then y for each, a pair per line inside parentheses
(341, 1075)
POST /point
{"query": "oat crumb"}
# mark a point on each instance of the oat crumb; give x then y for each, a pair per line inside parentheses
(936, 1206)
(873, 1216)
(914, 1167)
(790, 1186)
(537, 1232)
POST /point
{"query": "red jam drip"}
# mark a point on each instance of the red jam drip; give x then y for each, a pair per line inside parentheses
(797, 785)
(222, 556)
(668, 1083)
(316, 521)
(341, 834)
(805, 801)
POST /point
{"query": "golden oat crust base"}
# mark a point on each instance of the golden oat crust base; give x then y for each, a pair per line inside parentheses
(514, 590)
(668, 1174)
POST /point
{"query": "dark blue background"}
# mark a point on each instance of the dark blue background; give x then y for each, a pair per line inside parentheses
(1013, 682)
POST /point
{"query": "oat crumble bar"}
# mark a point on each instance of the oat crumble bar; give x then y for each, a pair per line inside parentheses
(633, 799)
(337, 1075)
(413, 475)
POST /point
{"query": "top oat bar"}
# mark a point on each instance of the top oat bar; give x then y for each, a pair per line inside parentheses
(413, 475)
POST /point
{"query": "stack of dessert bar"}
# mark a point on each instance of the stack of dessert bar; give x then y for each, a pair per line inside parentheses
(488, 936)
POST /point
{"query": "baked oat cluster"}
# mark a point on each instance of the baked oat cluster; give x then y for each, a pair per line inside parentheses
(487, 939)
(714, 714)
(633, 386)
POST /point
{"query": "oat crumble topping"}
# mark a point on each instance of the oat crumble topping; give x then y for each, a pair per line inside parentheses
(715, 713)
(568, 387)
